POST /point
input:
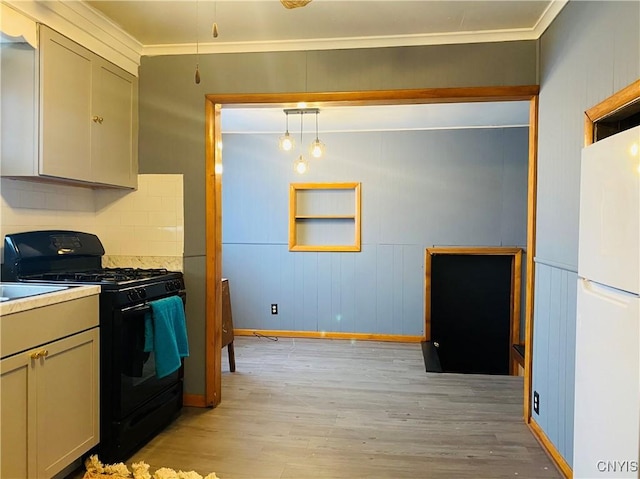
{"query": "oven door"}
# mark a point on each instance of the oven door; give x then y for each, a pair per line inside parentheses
(135, 373)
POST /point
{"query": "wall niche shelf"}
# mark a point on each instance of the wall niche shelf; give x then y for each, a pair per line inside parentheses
(324, 217)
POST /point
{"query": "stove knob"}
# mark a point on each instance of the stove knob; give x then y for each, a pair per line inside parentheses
(178, 284)
(142, 293)
(132, 295)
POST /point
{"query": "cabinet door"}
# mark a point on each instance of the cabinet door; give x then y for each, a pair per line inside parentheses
(114, 145)
(65, 102)
(19, 127)
(17, 417)
(67, 401)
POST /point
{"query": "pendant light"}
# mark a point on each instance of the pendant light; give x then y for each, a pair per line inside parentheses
(286, 141)
(317, 147)
(301, 166)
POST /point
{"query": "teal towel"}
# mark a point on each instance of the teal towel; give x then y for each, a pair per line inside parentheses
(165, 334)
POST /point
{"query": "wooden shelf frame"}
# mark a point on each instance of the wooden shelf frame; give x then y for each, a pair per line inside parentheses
(295, 219)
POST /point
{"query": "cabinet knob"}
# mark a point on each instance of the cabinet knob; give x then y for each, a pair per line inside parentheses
(98, 119)
(40, 354)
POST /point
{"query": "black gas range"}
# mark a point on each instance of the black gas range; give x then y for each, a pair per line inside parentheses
(76, 258)
(135, 403)
(124, 285)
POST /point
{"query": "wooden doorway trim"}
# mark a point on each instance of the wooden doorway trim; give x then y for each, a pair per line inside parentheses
(532, 200)
(516, 289)
(213, 186)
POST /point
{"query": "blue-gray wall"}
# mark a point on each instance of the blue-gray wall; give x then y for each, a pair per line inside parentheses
(590, 51)
(419, 189)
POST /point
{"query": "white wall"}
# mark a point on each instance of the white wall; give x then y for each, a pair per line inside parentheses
(147, 222)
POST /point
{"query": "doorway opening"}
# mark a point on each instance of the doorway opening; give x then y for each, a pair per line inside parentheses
(213, 180)
(472, 309)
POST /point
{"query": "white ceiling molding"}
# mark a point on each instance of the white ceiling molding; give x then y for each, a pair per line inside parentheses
(342, 43)
(534, 33)
(548, 16)
(91, 28)
(16, 26)
(88, 27)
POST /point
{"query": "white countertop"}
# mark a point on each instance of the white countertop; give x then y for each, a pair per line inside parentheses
(41, 300)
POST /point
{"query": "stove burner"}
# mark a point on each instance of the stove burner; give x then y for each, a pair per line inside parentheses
(104, 275)
(136, 273)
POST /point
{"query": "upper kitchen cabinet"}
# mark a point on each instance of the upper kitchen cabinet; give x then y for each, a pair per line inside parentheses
(114, 150)
(66, 94)
(73, 115)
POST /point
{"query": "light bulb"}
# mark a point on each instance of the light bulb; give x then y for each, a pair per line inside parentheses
(300, 166)
(634, 149)
(286, 142)
(317, 148)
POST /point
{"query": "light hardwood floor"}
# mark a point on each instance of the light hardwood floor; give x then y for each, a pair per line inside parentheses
(305, 408)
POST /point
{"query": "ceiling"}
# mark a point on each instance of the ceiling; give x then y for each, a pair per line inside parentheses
(170, 26)
(184, 27)
(380, 118)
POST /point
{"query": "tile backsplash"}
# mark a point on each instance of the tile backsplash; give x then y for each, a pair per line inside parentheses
(147, 222)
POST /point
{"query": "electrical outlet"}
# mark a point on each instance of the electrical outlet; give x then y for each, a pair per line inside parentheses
(536, 402)
(274, 309)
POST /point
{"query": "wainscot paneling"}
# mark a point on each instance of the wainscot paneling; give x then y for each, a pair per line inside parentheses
(554, 354)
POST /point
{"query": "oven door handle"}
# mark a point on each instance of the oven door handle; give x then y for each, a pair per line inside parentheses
(144, 307)
(137, 309)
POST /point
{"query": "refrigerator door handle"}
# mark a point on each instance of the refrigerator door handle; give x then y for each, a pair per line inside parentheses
(607, 293)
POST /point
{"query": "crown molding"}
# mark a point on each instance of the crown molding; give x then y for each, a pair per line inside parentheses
(85, 25)
(341, 43)
(89, 27)
(534, 33)
(552, 11)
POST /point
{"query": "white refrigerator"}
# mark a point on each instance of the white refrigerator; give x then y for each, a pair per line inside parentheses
(607, 375)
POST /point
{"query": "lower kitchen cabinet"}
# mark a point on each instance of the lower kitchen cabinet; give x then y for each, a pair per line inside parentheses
(49, 400)
(16, 409)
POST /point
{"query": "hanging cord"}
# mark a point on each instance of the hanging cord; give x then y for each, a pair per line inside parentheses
(197, 46)
(301, 128)
(270, 338)
(214, 28)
